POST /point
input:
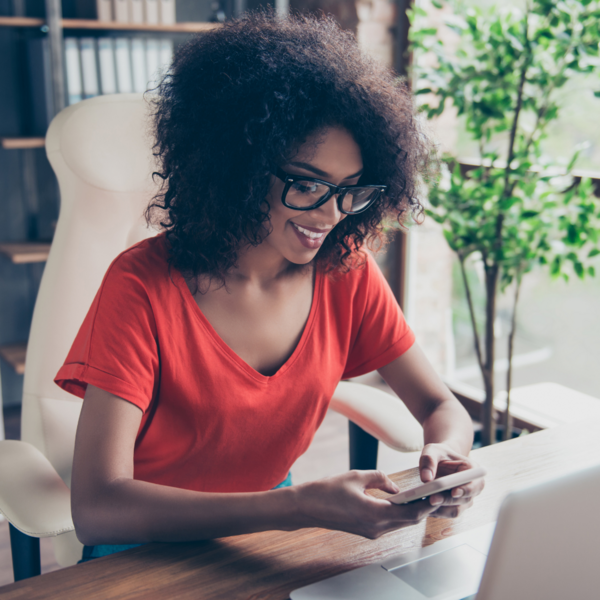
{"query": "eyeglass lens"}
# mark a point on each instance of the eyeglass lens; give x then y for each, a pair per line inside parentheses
(304, 194)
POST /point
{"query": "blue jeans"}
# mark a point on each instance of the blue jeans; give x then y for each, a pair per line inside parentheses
(91, 552)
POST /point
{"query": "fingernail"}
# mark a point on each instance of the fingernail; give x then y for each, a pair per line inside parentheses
(435, 500)
(428, 473)
(457, 493)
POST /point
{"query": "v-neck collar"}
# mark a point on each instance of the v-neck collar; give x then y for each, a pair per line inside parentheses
(235, 358)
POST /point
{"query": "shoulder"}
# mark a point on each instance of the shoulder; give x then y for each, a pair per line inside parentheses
(146, 261)
(362, 270)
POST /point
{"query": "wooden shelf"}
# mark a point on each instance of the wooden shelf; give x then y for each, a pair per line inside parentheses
(14, 355)
(25, 252)
(22, 143)
(188, 27)
(21, 22)
(114, 26)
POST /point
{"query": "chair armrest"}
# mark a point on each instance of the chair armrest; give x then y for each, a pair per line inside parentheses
(33, 497)
(380, 414)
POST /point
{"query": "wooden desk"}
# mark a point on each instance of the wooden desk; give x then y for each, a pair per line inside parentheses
(269, 565)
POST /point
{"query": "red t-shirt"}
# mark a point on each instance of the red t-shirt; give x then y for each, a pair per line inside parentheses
(210, 421)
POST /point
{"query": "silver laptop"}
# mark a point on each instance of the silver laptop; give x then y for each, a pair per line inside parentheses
(546, 546)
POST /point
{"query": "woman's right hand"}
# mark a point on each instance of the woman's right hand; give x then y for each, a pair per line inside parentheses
(341, 503)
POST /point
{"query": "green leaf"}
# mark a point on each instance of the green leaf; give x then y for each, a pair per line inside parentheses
(593, 252)
(437, 3)
(529, 214)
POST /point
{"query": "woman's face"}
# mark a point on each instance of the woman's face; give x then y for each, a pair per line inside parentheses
(331, 155)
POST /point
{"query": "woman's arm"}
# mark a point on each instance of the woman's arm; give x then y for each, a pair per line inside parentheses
(110, 507)
(447, 427)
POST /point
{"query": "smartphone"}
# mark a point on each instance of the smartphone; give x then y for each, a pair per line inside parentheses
(438, 485)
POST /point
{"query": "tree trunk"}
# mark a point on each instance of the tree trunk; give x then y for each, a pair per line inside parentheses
(488, 420)
(507, 420)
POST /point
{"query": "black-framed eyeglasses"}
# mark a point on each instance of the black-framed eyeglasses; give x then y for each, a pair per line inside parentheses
(307, 193)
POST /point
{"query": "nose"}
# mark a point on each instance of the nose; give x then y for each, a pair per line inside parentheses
(331, 211)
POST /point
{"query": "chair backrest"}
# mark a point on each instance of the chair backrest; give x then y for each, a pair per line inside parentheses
(101, 152)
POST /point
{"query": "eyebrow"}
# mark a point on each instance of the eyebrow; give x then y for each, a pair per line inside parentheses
(316, 171)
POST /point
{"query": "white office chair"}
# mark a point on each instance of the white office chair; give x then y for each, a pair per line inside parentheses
(100, 150)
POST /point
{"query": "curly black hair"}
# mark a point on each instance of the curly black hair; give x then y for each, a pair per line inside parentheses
(238, 100)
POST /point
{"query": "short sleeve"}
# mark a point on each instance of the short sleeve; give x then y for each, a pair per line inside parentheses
(382, 333)
(116, 347)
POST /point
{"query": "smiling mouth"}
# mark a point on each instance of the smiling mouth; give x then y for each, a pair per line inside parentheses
(313, 235)
(310, 239)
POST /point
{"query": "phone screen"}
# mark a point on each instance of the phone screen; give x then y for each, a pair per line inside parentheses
(438, 485)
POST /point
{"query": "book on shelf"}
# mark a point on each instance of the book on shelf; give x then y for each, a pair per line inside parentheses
(73, 71)
(138, 64)
(165, 54)
(151, 13)
(89, 70)
(100, 10)
(136, 11)
(153, 62)
(123, 62)
(167, 11)
(121, 11)
(106, 61)
(109, 66)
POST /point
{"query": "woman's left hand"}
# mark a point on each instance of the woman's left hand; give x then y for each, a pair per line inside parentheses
(438, 460)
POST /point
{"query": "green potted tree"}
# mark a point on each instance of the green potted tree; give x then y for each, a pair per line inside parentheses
(512, 209)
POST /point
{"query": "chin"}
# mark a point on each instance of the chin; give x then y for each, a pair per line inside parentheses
(302, 259)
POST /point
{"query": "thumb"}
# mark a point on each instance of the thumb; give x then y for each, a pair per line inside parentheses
(428, 463)
(380, 481)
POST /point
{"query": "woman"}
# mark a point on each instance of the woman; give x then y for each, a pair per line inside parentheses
(211, 351)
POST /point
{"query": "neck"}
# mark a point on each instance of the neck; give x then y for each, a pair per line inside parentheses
(257, 264)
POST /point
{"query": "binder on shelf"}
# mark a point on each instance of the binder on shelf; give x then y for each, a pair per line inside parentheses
(167, 11)
(153, 63)
(136, 11)
(106, 60)
(151, 14)
(123, 62)
(93, 9)
(73, 71)
(138, 63)
(89, 70)
(166, 55)
(121, 11)
(104, 10)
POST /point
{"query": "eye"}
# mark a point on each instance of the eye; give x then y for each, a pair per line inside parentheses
(305, 187)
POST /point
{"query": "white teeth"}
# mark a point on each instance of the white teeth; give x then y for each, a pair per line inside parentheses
(311, 234)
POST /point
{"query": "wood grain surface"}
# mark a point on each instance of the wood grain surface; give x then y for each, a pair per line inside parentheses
(270, 565)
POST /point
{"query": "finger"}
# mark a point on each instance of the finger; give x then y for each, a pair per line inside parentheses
(447, 467)
(378, 480)
(428, 462)
(446, 499)
(470, 489)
